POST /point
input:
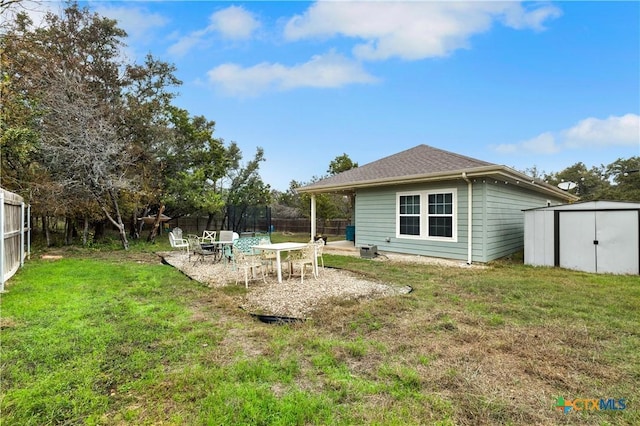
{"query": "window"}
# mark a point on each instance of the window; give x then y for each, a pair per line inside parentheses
(427, 215)
(441, 215)
(410, 214)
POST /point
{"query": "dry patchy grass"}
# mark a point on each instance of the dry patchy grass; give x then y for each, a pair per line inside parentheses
(466, 347)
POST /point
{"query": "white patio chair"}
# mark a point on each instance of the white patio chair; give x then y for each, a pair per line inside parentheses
(319, 245)
(226, 236)
(178, 243)
(208, 236)
(177, 232)
(248, 265)
(302, 258)
(226, 241)
(267, 257)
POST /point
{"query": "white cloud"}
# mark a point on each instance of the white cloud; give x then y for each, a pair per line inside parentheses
(232, 23)
(186, 43)
(141, 27)
(412, 30)
(138, 23)
(588, 133)
(613, 131)
(518, 18)
(544, 143)
(34, 9)
(541, 144)
(322, 71)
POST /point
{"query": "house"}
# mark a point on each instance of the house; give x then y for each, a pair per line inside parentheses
(591, 236)
(431, 202)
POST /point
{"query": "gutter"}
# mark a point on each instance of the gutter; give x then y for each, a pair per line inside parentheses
(469, 218)
(492, 172)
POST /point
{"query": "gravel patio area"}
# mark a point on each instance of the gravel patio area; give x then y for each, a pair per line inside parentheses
(292, 298)
(289, 298)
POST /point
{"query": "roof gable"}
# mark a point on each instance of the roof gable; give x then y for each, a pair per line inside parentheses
(419, 160)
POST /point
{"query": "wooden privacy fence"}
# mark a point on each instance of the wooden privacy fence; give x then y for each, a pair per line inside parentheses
(325, 227)
(15, 240)
(195, 225)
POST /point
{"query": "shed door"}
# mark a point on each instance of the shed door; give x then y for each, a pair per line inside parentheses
(577, 233)
(600, 241)
(617, 235)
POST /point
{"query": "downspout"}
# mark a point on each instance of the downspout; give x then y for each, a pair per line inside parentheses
(313, 216)
(469, 218)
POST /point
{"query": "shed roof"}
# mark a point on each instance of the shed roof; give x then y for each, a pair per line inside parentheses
(596, 205)
(424, 163)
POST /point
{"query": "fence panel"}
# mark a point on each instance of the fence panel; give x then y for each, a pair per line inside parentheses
(195, 225)
(15, 244)
(325, 227)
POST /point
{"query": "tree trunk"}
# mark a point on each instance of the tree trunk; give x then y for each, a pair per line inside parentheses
(68, 231)
(123, 235)
(117, 221)
(156, 224)
(140, 223)
(45, 229)
(133, 226)
(98, 230)
(85, 231)
(210, 222)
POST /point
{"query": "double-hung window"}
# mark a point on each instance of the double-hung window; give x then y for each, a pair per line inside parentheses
(427, 215)
(409, 218)
(440, 215)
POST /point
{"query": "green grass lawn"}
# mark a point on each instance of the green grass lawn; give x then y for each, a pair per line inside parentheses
(113, 337)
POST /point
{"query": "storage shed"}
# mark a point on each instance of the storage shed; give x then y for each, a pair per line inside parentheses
(591, 236)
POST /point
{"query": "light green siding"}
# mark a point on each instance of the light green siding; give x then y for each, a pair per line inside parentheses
(498, 220)
(498, 213)
(375, 212)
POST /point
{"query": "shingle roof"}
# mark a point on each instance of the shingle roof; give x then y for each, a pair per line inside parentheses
(425, 163)
(416, 161)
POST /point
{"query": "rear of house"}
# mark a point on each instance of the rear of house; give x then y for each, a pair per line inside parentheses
(430, 202)
(432, 219)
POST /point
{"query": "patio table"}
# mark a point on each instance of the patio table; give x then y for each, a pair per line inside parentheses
(279, 248)
(217, 247)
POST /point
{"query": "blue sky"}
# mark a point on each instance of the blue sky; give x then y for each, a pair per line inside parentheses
(544, 84)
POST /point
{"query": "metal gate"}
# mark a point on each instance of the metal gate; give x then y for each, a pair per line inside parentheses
(15, 242)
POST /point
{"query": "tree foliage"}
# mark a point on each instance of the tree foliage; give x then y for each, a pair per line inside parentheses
(328, 206)
(87, 136)
(340, 164)
(68, 69)
(246, 188)
(618, 181)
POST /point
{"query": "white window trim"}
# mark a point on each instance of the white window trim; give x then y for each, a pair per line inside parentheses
(424, 215)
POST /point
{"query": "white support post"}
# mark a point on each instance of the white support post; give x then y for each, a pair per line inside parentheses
(22, 234)
(313, 216)
(29, 231)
